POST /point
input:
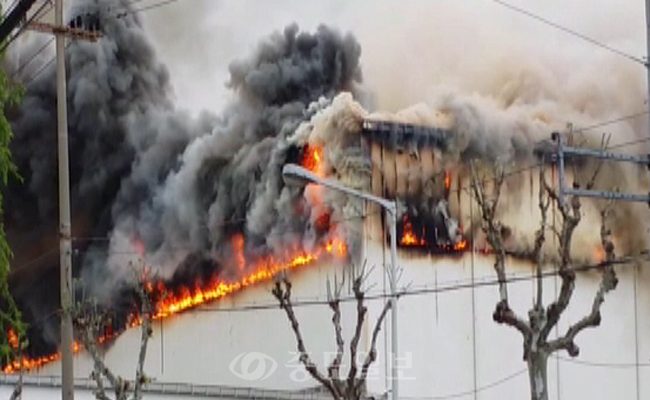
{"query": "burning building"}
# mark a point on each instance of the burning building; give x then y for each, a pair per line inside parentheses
(201, 202)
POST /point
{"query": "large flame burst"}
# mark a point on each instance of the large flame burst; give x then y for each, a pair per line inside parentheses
(263, 270)
(417, 237)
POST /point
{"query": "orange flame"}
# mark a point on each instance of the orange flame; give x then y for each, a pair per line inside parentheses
(238, 251)
(188, 298)
(447, 180)
(12, 338)
(461, 245)
(312, 159)
(409, 238)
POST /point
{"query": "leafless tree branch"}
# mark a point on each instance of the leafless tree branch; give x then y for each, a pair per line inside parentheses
(353, 387)
(91, 321)
(608, 282)
(334, 301)
(282, 292)
(361, 316)
(372, 354)
(604, 144)
(503, 314)
(540, 238)
(16, 394)
(146, 313)
(540, 322)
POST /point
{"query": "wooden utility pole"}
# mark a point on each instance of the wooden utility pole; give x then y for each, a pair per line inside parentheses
(65, 229)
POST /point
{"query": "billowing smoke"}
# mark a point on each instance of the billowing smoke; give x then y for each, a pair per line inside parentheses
(150, 181)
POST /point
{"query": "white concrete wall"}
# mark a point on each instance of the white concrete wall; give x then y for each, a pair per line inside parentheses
(198, 346)
(435, 328)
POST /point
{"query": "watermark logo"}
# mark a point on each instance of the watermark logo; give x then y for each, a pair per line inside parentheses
(253, 366)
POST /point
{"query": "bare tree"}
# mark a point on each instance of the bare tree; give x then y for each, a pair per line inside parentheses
(92, 322)
(352, 387)
(537, 328)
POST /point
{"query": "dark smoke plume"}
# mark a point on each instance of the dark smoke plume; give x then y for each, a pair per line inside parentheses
(148, 177)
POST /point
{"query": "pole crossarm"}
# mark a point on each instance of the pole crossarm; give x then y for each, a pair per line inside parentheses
(562, 151)
(65, 31)
(607, 155)
(608, 195)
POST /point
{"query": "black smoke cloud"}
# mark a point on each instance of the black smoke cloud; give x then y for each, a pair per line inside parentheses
(143, 171)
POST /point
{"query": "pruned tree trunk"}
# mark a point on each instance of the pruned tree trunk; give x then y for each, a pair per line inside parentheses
(536, 329)
(17, 393)
(537, 373)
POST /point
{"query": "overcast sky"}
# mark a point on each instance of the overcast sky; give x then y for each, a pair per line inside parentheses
(408, 47)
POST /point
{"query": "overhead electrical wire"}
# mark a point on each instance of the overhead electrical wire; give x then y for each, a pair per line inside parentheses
(469, 392)
(437, 290)
(120, 14)
(610, 122)
(570, 32)
(149, 7)
(42, 68)
(31, 58)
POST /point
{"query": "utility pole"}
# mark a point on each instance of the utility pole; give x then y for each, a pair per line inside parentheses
(647, 66)
(65, 231)
(644, 198)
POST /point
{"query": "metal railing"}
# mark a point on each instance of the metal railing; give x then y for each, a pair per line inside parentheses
(171, 388)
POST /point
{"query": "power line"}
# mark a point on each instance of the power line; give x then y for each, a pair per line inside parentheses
(610, 121)
(470, 392)
(145, 8)
(520, 372)
(570, 31)
(601, 364)
(426, 290)
(32, 57)
(42, 68)
(118, 15)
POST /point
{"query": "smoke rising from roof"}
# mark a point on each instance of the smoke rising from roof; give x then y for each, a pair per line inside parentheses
(145, 174)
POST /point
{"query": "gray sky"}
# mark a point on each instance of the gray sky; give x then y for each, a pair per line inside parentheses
(412, 47)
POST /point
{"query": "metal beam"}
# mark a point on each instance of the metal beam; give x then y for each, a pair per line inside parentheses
(61, 30)
(399, 134)
(607, 195)
(607, 155)
(176, 389)
(604, 155)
